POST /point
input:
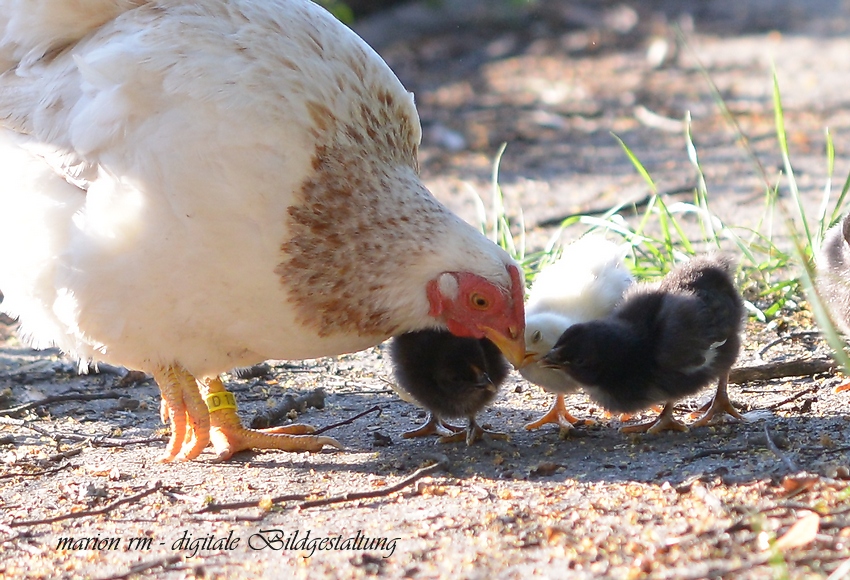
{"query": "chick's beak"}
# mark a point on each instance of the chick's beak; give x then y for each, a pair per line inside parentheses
(529, 358)
(511, 344)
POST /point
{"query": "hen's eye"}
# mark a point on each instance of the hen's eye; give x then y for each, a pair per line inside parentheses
(479, 302)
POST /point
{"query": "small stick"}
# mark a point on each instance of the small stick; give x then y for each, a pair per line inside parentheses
(781, 339)
(348, 421)
(113, 442)
(74, 451)
(441, 463)
(11, 411)
(793, 397)
(723, 451)
(629, 208)
(841, 572)
(96, 440)
(38, 474)
(804, 367)
(238, 505)
(357, 495)
(145, 567)
(772, 446)
(273, 417)
(82, 514)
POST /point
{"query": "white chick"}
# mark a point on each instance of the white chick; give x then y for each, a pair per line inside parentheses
(586, 283)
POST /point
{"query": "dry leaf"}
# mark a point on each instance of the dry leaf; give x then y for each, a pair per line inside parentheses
(803, 532)
(793, 484)
(545, 469)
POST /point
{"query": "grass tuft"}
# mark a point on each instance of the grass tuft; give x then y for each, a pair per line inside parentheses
(776, 281)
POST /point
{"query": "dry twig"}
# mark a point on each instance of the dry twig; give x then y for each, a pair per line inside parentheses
(348, 421)
(12, 411)
(146, 567)
(96, 440)
(804, 367)
(776, 451)
(239, 505)
(793, 397)
(717, 451)
(86, 513)
(791, 336)
(38, 473)
(626, 208)
(275, 416)
(357, 495)
(441, 463)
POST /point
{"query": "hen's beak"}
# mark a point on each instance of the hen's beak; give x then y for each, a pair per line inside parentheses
(512, 345)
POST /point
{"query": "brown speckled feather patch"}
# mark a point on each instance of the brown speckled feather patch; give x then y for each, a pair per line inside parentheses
(362, 218)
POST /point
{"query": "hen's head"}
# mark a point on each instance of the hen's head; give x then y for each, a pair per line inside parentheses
(475, 307)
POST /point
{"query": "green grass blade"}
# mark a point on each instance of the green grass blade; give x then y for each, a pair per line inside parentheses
(827, 188)
(781, 135)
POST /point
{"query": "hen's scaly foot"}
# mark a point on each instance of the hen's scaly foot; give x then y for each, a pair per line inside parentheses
(474, 432)
(186, 411)
(228, 436)
(719, 404)
(559, 415)
(664, 422)
(433, 425)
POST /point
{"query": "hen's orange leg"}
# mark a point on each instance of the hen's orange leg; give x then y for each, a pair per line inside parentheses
(559, 415)
(186, 412)
(229, 436)
(433, 425)
(719, 404)
(664, 422)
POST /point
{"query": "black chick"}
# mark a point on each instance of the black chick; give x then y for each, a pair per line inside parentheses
(662, 343)
(450, 377)
(833, 277)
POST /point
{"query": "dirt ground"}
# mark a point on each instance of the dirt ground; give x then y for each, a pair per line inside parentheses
(553, 79)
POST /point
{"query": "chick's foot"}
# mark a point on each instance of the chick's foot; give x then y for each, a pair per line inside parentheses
(559, 415)
(474, 432)
(433, 426)
(719, 404)
(664, 422)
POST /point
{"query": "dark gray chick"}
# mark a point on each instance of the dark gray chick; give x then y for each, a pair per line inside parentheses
(662, 343)
(450, 377)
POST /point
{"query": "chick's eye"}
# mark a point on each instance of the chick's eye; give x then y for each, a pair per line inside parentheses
(479, 302)
(536, 336)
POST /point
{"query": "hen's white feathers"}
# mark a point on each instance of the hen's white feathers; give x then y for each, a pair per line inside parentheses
(164, 164)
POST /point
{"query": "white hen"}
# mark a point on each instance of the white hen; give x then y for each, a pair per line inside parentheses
(190, 186)
(586, 283)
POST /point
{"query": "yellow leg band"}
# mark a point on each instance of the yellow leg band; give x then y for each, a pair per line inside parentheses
(220, 400)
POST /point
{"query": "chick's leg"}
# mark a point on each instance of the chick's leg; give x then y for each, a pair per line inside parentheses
(559, 415)
(433, 425)
(664, 422)
(719, 404)
(186, 411)
(229, 436)
(474, 432)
